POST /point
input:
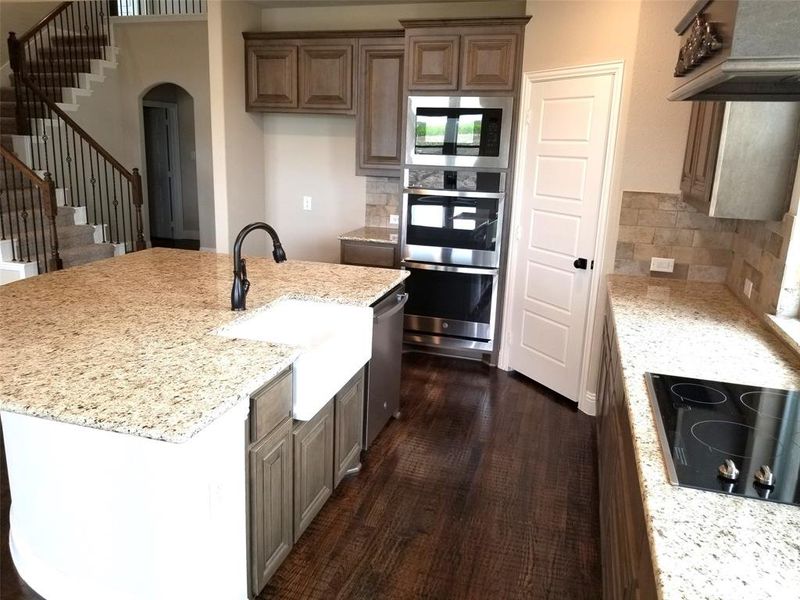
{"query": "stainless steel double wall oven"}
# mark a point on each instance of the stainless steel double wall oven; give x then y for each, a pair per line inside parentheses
(457, 149)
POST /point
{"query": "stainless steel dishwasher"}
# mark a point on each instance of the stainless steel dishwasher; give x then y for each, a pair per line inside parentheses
(383, 372)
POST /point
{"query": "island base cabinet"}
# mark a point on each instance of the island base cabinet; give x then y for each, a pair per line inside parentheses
(313, 467)
(627, 566)
(271, 504)
(349, 414)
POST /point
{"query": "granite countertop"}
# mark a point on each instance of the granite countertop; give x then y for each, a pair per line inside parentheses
(125, 344)
(377, 235)
(704, 545)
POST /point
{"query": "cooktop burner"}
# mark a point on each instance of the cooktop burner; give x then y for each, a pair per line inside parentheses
(729, 438)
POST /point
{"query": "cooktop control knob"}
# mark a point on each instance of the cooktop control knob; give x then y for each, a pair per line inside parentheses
(728, 470)
(764, 476)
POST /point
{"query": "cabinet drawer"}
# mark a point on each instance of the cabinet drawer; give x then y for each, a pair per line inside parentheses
(270, 405)
(369, 255)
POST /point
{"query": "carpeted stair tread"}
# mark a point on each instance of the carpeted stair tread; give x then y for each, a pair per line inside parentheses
(80, 255)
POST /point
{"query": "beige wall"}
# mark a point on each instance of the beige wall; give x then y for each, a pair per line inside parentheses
(312, 155)
(237, 136)
(382, 16)
(113, 114)
(656, 128)
(19, 16)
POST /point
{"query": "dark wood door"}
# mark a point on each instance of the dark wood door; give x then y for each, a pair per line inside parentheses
(488, 61)
(271, 535)
(432, 61)
(271, 71)
(349, 414)
(326, 76)
(313, 467)
(380, 107)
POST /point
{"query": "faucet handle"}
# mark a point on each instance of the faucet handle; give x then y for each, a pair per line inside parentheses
(243, 273)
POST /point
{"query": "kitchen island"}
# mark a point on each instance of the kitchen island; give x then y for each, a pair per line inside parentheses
(703, 545)
(123, 418)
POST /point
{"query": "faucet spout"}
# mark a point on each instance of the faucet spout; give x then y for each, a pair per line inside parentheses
(241, 285)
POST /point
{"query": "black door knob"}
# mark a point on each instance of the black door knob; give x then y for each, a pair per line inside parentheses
(581, 263)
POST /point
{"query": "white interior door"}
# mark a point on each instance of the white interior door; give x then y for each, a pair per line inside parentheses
(561, 189)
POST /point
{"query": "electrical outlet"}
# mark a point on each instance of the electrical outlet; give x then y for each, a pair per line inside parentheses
(394, 219)
(748, 288)
(306, 202)
(662, 265)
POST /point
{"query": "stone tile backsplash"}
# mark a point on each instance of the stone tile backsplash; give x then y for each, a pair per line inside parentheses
(760, 254)
(661, 225)
(709, 249)
(383, 200)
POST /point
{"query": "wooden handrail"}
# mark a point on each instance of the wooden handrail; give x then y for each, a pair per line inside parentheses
(78, 129)
(22, 167)
(47, 18)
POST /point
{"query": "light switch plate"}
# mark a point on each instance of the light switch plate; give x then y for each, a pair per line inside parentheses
(394, 219)
(662, 265)
(306, 202)
(748, 288)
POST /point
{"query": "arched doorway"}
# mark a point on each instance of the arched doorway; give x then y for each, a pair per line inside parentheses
(171, 173)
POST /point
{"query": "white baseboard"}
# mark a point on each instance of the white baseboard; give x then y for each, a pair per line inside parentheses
(589, 404)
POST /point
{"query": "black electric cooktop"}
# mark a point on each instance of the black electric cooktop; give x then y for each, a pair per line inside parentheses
(729, 438)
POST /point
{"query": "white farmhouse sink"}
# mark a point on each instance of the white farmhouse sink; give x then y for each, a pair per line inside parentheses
(335, 341)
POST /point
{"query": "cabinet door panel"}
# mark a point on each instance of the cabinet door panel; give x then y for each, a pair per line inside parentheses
(349, 409)
(691, 145)
(487, 61)
(313, 469)
(271, 76)
(433, 62)
(271, 534)
(368, 254)
(380, 107)
(708, 131)
(326, 77)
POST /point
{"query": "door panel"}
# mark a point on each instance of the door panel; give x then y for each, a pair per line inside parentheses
(566, 143)
(159, 185)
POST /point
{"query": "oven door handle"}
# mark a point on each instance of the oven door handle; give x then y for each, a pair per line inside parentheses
(454, 193)
(449, 268)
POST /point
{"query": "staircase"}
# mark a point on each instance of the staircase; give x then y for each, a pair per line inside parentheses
(96, 201)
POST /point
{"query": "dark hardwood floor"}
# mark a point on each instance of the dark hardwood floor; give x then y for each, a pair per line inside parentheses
(486, 488)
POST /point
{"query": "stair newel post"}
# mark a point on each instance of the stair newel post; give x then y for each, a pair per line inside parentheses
(51, 211)
(137, 203)
(16, 59)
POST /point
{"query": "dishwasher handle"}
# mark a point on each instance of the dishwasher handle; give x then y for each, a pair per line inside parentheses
(396, 308)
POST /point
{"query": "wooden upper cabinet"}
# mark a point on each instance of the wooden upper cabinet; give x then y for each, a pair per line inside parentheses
(709, 126)
(271, 76)
(433, 61)
(313, 75)
(488, 61)
(326, 76)
(380, 107)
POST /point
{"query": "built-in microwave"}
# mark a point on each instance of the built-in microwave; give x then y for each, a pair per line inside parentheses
(459, 131)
